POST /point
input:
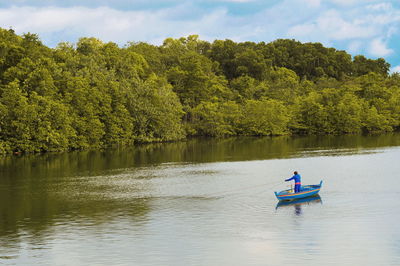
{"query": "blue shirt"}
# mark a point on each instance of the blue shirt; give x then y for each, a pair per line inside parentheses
(297, 178)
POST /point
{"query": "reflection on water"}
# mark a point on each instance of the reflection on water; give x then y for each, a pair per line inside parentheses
(192, 151)
(297, 204)
(203, 202)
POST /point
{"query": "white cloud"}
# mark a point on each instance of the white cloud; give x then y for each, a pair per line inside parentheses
(380, 6)
(330, 26)
(350, 2)
(395, 69)
(358, 27)
(98, 22)
(379, 48)
(237, 1)
(120, 26)
(303, 30)
(344, 2)
(354, 47)
(337, 28)
(313, 3)
(56, 24)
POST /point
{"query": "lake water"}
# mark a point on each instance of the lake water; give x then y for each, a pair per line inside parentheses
(204, 202)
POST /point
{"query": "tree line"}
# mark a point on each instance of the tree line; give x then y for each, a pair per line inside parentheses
(94, 94)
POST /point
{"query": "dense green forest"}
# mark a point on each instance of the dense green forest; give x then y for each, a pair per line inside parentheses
(93, 94)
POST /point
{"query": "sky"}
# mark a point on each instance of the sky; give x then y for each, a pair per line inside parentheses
(367, 27)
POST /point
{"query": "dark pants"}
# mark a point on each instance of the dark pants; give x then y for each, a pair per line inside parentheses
(297, 188)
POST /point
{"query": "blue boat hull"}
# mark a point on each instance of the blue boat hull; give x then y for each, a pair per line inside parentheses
(306, 191)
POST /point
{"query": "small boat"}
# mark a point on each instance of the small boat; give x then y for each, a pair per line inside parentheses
(306, 191)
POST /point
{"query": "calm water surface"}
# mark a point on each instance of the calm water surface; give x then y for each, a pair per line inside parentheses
(204, 202)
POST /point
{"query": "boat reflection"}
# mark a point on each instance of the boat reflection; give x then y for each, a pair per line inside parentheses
(299, 202)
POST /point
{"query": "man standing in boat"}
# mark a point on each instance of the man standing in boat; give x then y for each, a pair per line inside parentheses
(297, 181)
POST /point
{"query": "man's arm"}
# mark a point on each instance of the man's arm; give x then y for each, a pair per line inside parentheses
(289, 178)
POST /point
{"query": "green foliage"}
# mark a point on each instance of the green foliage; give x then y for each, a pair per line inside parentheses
(245, 87)
(333, 111)
(93, 94)
(310, 115)
(363, 65)
(34, 124)
(283, 84)
(216, 118)
(310, 60)
(152, 54)
(194, 80)
(265, 117)
(156, 111)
